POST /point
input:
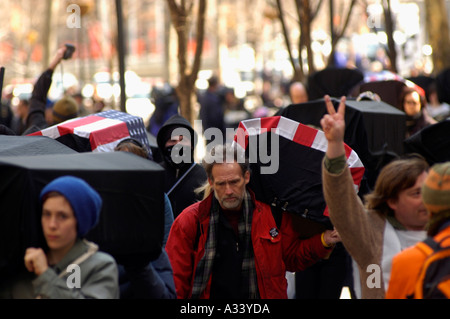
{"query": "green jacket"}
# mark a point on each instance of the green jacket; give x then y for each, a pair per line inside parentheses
(98, 277)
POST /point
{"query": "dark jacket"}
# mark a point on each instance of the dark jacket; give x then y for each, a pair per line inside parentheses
(36, 114)
(181, 195)
(273, 255)
(212, 112)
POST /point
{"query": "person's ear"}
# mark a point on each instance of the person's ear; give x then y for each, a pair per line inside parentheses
(392, 203)
(247, 177)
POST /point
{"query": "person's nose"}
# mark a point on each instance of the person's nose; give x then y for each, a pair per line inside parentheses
(52, 222)
(228, 189)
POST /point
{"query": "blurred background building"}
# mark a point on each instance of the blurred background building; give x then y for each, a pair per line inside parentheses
(244, 45)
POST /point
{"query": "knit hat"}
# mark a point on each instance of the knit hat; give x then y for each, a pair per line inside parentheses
(436, 194)
(85, 201)
(65, 109)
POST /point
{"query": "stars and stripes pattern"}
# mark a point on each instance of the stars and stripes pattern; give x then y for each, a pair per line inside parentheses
(104, 130)
(298, 133)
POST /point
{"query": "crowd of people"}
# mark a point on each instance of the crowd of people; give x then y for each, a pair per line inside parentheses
(220, 242)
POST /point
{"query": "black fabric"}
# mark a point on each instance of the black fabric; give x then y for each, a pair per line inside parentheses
(333, 81)
(384, 124)
(75, 142)
(373, 130)
(297, 185)
(326, 278)
(432, 142)
(443, 86)
(423, 81)
(31, 145)
(183, 194)
(226, 281)
(131, 225)
(36, 113)
(310, 113)
(166, 130)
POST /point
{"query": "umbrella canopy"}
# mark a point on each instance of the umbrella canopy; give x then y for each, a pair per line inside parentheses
(131, 225)
(432, 142)
(296, 185)
(31, 145)
(333, 81)
(99, 132)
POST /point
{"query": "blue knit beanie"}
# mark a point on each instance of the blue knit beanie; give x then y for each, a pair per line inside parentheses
(85, 201)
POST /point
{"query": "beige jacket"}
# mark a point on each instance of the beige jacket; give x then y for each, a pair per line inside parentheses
(361, 231)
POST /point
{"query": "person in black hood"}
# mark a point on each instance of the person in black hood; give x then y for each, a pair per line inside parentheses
(176, 141)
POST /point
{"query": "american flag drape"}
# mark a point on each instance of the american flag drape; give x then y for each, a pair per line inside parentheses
(103, 130)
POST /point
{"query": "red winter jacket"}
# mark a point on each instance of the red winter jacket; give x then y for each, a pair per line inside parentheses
(273, 255)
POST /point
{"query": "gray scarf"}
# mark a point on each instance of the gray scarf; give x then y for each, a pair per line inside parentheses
(205, 265)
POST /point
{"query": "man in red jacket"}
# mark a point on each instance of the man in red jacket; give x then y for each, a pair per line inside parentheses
(228, 245)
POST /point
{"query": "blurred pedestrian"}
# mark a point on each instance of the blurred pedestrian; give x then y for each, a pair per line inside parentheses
(18, 124)
(298, 93)
(212, 109)
(414, 106)
(166, 105)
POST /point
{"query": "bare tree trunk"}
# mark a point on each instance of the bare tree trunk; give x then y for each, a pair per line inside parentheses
(438, 33)
(337, 34)
(180, 16)
(306, 31)
(298, 72)
(390, 26)
(46, 33)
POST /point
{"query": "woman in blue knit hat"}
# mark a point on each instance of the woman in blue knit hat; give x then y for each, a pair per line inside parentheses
(71, 267)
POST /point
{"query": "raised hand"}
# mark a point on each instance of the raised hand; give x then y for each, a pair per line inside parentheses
(333, 125)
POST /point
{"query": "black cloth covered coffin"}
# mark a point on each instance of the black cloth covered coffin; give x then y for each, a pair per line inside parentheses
(295, 185)
(385, 125)
(131, 225)
(432, 142)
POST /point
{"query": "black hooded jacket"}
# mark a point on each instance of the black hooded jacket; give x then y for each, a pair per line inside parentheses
(181, 181)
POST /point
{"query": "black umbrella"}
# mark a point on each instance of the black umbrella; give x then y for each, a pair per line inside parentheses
(432, 142)
(131, 225)
(31, 145)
